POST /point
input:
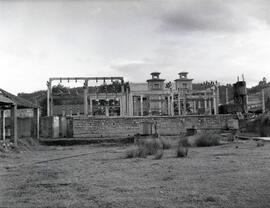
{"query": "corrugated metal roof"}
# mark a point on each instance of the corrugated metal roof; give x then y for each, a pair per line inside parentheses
(21, 102)
(4, 99)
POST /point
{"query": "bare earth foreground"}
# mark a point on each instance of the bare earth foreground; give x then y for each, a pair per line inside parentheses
(222, 176)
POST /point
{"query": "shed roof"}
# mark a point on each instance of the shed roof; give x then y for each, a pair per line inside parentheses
(5, 100)
(9, 98)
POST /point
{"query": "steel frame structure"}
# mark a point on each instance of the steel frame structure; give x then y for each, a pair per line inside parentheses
(85, 86)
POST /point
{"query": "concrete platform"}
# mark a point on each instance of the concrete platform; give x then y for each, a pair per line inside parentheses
(267, 139)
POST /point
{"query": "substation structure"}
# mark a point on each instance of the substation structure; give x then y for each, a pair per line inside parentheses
(87, 107)
(152, 98)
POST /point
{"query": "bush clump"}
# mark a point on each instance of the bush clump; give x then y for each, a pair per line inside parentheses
(260, 143)
(181, 151)
(184, 142)
(264, 127)
(206, 140)
(2, 149)
(166, 144)
(130, 153)
(151, 146)
(141, 152)
(159, 154)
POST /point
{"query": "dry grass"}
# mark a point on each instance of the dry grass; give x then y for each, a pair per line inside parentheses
(151, 146)
(264, 127)
(206, 140)
(182, 147)
(184, 142)
(159, 154)
(145, 147)
(130, 153)
(260, 143)
(2, 149)
(166, 143)
(140, 152)
(181, 151)
(211, 177)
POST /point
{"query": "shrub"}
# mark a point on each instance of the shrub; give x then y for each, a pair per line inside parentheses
(2, 149)
(260, 143)
(3, 155)
(264, 129)
(150, 146)
(210, 199)
(137, 138)
(130, 153)
(181, 151)
(146, 147)
(141, 152)
(184, 142)
(206, 140)
(230, 138)
(166, 144)
(138, 152)
(159, 154)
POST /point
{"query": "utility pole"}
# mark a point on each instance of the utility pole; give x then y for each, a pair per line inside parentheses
(49, 98)
(263, 102)
(85, 95)
(227, 96)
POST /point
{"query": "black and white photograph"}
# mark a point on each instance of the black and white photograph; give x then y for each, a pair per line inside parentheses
(134, 103)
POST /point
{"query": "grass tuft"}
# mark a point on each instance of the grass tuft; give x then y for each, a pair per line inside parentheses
(206, 140)
(159, 154)
(151, 146)
(166, 144)
(264, 129)
(130, 153)
(141, 152)
(184, 142)
(181, 151)
(210, 199)
(260, 143)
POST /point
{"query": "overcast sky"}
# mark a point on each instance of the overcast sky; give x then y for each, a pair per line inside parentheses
(211, 39)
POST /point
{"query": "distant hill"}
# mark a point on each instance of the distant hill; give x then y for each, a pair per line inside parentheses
(38, 97)
(258, 88)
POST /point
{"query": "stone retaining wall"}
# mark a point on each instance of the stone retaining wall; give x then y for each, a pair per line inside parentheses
(128, 126)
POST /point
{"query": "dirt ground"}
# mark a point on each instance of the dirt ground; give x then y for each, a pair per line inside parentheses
(222, 176)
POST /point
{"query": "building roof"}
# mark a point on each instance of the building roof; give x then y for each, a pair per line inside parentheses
(9, 98)
(183, 79)
(138, 87)
(5, 100)
(184, 73)
(155, 79)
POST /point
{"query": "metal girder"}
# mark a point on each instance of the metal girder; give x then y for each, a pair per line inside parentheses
(85, 78)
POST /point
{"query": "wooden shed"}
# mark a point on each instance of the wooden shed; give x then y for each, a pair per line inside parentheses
(13, 103)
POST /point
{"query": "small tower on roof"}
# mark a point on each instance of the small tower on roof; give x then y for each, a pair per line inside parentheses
(183, 82)
(155, 83)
